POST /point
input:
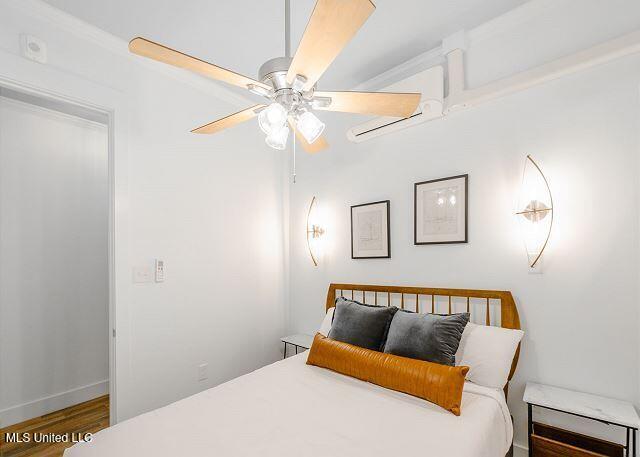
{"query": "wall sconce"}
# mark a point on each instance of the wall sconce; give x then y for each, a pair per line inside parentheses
(535, 211)
(314, 232)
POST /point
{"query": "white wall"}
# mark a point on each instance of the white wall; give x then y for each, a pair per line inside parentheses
(53, 267)
(581, 315)
(211, 207)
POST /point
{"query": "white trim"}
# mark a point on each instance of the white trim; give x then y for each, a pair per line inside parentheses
(113, 191)
(520, 450)
(45, 405)
(596, 55)
(46, 106)
(20, 75)
(414, 65)
(60, 19)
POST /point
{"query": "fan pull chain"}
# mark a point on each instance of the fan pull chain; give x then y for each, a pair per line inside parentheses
(294, 159)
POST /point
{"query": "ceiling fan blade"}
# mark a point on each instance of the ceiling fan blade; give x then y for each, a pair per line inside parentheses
(317, 146)
(228, 121)
(332, 25)
(379, 103)
(155, 51)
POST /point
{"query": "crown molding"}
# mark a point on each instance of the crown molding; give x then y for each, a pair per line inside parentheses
(410, 67)
(60, 19)
(69, 23)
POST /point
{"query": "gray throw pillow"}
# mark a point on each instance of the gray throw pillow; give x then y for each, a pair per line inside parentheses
(431, 337)
(360, 324)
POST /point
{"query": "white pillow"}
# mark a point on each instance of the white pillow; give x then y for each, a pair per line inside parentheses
(326, 322)
(488, 352)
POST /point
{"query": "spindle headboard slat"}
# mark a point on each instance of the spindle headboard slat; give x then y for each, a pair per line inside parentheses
(509, 317)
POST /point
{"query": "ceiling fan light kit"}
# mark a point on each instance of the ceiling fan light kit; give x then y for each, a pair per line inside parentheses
(272, 118)
(310, 126)
(289, 84)
(278, 138)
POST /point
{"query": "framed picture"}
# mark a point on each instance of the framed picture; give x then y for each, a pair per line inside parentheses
(370, 231)
(440, 211)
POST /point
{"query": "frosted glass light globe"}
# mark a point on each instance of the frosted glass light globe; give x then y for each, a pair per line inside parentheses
(310, 126)
(272, 118)
(278, 138)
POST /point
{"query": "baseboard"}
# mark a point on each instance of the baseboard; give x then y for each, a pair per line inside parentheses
(46, 405)
(520, 451)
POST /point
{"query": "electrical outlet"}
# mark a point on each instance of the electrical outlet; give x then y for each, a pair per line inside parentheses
(203, 374)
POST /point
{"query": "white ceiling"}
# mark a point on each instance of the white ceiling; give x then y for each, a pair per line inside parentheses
(241, 34)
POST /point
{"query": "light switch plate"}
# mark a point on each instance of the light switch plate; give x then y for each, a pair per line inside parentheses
(142, 273)
(159, 270)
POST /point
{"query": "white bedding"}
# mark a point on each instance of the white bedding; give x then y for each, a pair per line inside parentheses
(292, 409)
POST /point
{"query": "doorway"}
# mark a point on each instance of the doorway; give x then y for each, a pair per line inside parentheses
(55, 267)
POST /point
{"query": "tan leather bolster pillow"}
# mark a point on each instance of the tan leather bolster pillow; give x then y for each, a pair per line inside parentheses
(439, 384)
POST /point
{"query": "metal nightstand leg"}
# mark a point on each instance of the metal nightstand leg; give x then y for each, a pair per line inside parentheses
(285, 351)
(530, 426)
(627, 447)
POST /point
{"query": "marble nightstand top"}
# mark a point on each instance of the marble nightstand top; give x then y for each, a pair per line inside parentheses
(301, 340)
(592, 406)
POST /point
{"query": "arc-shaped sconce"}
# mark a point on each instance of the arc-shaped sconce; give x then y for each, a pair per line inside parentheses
(314, 232)
(535, 210)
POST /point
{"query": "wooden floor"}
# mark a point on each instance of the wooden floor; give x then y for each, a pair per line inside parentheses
(88, 417)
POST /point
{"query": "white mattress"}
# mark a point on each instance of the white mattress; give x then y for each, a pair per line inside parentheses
(292, 409)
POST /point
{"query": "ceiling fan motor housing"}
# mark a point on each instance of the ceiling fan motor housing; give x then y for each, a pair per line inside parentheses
(274, 73)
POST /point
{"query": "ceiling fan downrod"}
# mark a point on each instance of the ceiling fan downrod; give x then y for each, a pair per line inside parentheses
(287, 28)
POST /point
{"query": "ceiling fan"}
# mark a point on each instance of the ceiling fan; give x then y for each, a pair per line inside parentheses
(288, 84)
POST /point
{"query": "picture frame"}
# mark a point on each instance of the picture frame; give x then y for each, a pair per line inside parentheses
(370, 230)
(440, 211)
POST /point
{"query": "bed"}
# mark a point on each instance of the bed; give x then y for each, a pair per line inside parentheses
(289, 408)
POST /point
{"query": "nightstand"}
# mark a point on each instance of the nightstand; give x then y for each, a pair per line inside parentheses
(299, 341)
(545, 440)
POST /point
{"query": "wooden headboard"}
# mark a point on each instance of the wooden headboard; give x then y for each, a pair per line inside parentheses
(487, 307)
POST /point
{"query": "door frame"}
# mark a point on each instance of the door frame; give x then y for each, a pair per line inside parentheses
(115, 194)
